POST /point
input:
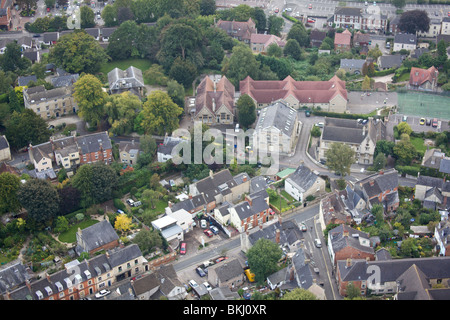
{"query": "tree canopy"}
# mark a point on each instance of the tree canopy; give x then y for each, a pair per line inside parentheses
(263, 258)
(246, 111)
(340, 157)
(413, 21)
(78, 52)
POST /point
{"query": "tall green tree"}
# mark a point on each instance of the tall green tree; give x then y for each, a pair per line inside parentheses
(12, 59)
(87, 17)
(246, 111)
(121, 110)
(207, 7)
(404, 151)
(275, 25)
(292, 49)
(183, 71)
(41, 201)
(340, 157)
(95, 183)
(241, 64)
(90, 97)
(413, 21)
(9, 186)
(299, 33)
(78, 52)
(24, 128)
(263, 258)
(109, 16)
(299, 294)
(160, 114)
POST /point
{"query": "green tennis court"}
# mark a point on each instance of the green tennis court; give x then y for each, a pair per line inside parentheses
(424, 104)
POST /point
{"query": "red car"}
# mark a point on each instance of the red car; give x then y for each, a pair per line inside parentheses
(310, 6)
(434, 123)
(208, 233)
(183, 248)
(48, 9)
(276, 10)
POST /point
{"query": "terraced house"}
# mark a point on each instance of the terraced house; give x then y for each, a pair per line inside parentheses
(80, 279)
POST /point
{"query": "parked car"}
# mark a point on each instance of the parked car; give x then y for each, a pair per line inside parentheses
(130, 202)
(319, 124)
(310, 6)
(422, 121)
(208, 233)
(203, 224)
(200, 272)
(207, 286)
(428, 122)
(307, 113)
(435, 123)
(193, 284)
(276, 10)
(303, 227)
(102, 293)
(214, 229)
(183, 248)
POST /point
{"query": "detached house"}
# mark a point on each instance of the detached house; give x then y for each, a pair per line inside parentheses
(303, 183)
(352, 66)
(214, 101)
(423, 79)
(228, 273)
(405, 41)
(434, 192)
(129, 151)
(342, 41)
(260, 42)
(241, 31)
(362, 138)
(100, 236)
(130, 80)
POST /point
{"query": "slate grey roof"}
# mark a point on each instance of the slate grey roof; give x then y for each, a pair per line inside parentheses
(352, 63)
(13, 276)
(65, 81)
(97, 235)
(388, 180)
(244, 210)
(303, 178)
(339, 241)
(95, 32)
(3, 143)
(39, 93)
(258, 183)
(167, 146)
(391, 61)
(391, 270)
(430, 181)
(405, 38)
(445, 165)
(278, 116)
(31, 54)
(344, 130)
(347, 11)
(94, 142)
(50, 36)
(106, 32)
(125, 79)
(382, 255)
(289, 233)
(220, 183)
(228, 270)
(119, 256)
(302, 269)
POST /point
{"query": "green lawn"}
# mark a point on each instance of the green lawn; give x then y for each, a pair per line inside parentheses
(418, 144)
(287, 196)
(70, 235)
(142, 64)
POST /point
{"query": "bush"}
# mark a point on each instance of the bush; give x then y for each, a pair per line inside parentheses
(119, 204)
(413, 171)
(79, 216)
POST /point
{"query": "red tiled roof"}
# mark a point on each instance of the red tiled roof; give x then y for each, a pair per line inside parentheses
(223, 94)
(343, 38)
(420, 76)
(303, 91)
(266, 39)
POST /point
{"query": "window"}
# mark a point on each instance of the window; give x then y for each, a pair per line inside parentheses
(136, 261)
(120, 269)
(128, 265)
